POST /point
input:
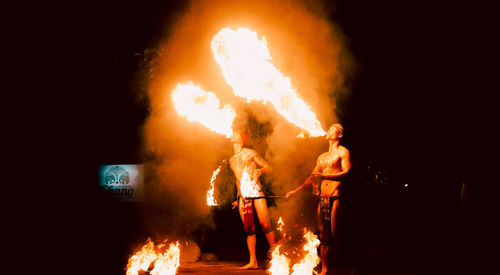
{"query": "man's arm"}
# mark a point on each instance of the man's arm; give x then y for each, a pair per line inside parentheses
(309, 180)
(265, 167)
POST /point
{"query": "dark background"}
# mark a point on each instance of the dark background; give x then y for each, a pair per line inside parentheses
(415, 114)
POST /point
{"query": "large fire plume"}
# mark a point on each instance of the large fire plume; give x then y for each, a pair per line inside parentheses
(165, 261)
(245, 63)
(280, 260)
(198, 105)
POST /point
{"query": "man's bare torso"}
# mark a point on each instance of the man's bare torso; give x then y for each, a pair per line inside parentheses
(330, 163)
(244, 160)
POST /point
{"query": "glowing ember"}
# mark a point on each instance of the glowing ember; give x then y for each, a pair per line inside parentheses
(280, 262)
(210, 193)
(164, 263)
(248, 186)
(246, 66)
(198, 105)
(311, 259)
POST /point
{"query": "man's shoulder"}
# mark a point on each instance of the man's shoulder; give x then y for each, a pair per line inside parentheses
(343, 150)
(249, 151)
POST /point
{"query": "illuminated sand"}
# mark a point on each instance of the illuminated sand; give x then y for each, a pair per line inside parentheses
(218, 268)
(226, 267)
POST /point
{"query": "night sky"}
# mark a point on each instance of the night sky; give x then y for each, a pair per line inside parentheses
(413, 111)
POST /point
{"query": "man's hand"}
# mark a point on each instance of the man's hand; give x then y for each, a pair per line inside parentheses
(317, 176)
(235, 204)
(289, 194)
(257, 173)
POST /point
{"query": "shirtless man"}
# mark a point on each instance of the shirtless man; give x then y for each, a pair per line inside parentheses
(326, 178)
(248, 160)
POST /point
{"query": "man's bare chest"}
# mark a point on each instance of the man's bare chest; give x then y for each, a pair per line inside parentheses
(329, 160)
(240, 160)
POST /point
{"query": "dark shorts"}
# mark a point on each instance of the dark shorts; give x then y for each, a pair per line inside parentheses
(326, 204)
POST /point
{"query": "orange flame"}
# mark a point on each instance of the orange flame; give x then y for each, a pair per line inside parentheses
(280, 262)
(311, 259)
(210, 193)
(248, 186)
(168, 262)
(246, 66)
(142, 259)
(198, 105)
(164, 263)
(281, 225)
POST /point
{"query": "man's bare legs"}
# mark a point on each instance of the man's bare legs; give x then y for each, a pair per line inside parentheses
(251, 242)
(260, 206)
(265, 222)
(326, 247)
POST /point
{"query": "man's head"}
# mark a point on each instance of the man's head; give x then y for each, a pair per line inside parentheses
(335, 132)
(239, 136)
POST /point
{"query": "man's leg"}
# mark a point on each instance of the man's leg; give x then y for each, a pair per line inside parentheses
(325, 250)
(333, 220)
(265, 222)
(325, 220)
(328, 238)
(251, 243)
(251, 237)
(323, 236)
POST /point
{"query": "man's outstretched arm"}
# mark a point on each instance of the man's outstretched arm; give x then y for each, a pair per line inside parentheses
(309, 180)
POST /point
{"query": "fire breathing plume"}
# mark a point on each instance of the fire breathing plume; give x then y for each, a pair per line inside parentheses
(245, 63)
(198, 105)
(210, 193)
(165, 263)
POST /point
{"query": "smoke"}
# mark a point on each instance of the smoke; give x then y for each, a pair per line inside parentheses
(304, 45)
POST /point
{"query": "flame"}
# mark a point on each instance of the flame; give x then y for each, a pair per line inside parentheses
(248, 186)
(281, 225)
(280, 262)
(198, 105)
(210, 193)
(164, 263)
(168, 262)
(311, 259)
(142, 259)
(246, 66)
